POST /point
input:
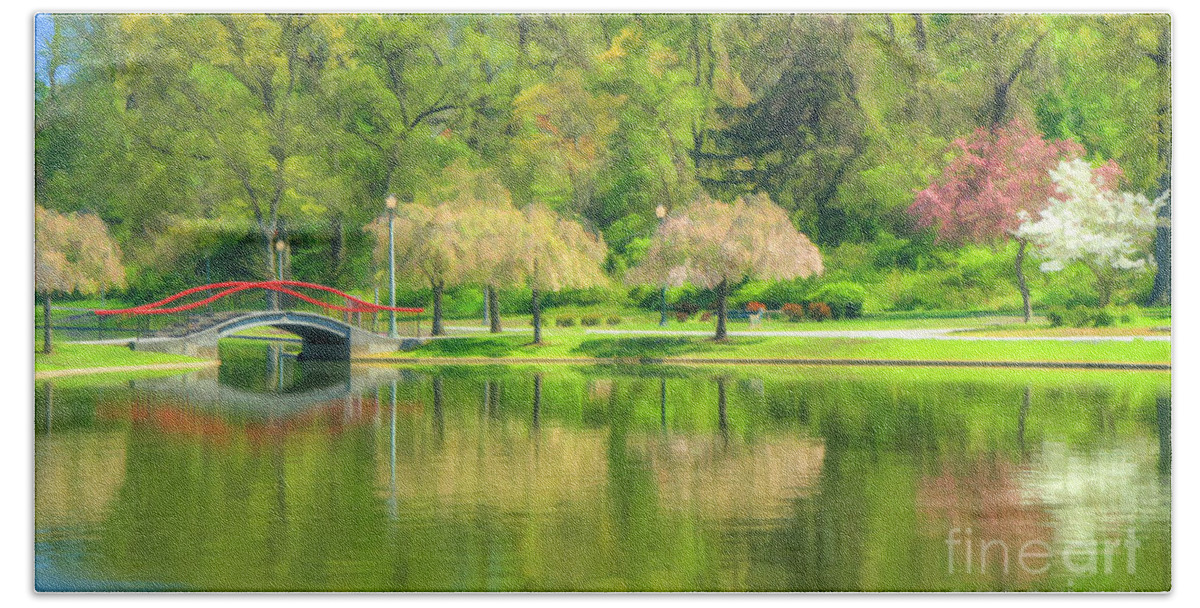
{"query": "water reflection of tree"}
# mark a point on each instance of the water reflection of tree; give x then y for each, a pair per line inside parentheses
(481, 499)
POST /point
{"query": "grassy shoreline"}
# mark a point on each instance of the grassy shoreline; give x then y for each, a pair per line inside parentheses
(576, 344)
(70, 356)
(581, 346)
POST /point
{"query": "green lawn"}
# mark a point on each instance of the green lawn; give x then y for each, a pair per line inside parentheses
(80, 356)
(642, 320)
(575, 343)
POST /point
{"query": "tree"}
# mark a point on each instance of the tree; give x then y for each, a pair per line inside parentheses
(995, 175)
(800, 137)
(72, 252)
(428, 245)
(494, 229)
(234, 96)
(1089, 221)
(557, 253)
(1112, 92)
(709, 243)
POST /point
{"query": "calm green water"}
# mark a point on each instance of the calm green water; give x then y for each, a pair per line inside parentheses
(268, 474)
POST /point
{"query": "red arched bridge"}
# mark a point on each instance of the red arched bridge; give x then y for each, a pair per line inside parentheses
(208, 319)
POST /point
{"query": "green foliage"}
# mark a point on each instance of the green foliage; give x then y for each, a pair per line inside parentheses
(1088, 316)
(819, 311)
(1056, 316)
(251, 125)
(564, 321)
(1105, 317)
(613, 320)
(1129, 314)
(589, 320)
(794, 312)
(844, 298)
(687, 307)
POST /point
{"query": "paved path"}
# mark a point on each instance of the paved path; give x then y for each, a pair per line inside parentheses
(901, 334)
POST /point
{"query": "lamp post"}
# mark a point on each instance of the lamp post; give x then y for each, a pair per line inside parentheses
(661, 212)
(391, 207)
(280, 245)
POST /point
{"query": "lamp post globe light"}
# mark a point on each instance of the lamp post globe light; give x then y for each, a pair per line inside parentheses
(391, 209)
(661, 213)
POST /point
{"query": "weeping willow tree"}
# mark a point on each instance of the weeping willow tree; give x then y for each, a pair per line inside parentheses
(72, 252)
(710, 244)
(557, 253)
(429, 249)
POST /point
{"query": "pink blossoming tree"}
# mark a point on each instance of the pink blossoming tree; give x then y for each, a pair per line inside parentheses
(995, 175)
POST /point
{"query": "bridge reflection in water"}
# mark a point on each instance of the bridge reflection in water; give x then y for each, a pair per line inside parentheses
(273, 473)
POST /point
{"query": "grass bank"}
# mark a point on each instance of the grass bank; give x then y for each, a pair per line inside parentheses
(576, 344)
(87, 356)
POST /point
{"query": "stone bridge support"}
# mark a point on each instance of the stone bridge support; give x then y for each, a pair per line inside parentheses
(323, 338)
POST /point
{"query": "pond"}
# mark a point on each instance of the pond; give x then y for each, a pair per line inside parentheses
(271, 474)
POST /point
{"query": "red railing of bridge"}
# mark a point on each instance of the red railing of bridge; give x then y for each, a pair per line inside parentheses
(231, 287)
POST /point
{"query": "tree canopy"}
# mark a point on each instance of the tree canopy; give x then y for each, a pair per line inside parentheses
(1091, 221)
(298, 126)
(710, 244)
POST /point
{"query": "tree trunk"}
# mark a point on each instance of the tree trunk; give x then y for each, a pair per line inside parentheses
(537, 317)
(438, 287)
(1160, 294)
(537, 399)
(662, 401)
(1027, 308)
(494, 309)
(439, 423)
(487, 305)
(1104, 286)
(722, 418)
(722, 309)
(919, 31)
(337, 240)
(1105, 292)
(1022, 415)
(47, 346)
(1163, 418)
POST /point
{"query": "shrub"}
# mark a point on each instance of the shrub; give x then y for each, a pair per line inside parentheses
(613, 320)
(753, 307)
(794, 312)
(564, 321)
(1056, 316)
(819, 311)
(1079, 316)
(687, 307)
(1105, 317)
(681, 316)
(590, 296)
(780, 292)
(1130, 314)
(589, 320)
(845, 299)
(705, 316)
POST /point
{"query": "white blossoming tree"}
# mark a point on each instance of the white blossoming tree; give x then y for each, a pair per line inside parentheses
(1091, 222)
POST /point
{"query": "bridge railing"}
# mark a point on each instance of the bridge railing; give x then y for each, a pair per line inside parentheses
(207, 305)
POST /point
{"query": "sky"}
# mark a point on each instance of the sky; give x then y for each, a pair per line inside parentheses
(43, 31)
